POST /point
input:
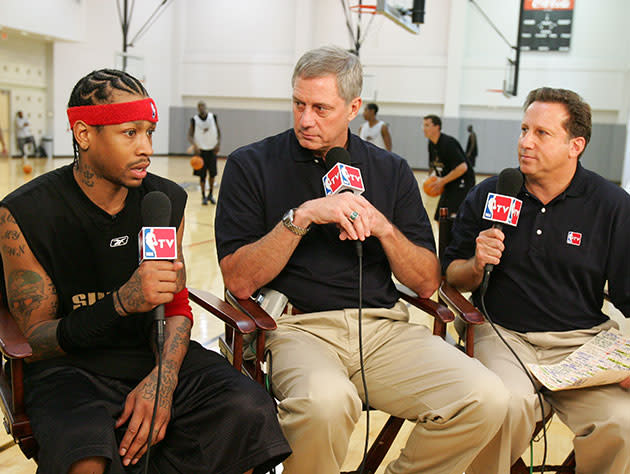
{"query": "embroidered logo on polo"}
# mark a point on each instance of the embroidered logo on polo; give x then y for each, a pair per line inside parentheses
(119, 241)
(574, 238)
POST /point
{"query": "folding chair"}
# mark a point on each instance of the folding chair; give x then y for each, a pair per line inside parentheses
(15, 349)
(232, 347)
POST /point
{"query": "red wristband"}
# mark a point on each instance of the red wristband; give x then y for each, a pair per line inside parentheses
(179, 306)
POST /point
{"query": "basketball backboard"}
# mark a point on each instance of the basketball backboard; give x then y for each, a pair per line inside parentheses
(510, 78)
(399, 11)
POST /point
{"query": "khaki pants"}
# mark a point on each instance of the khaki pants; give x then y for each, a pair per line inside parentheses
(599, 416)
(456, 403)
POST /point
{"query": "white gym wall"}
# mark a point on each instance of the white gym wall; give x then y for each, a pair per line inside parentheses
(239, 56)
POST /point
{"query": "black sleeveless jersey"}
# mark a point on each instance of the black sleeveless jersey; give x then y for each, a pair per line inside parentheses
(88, 253)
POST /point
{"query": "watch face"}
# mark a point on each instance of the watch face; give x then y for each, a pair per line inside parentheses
(288, 217)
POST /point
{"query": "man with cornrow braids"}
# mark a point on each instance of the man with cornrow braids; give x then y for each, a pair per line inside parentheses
(73, 285)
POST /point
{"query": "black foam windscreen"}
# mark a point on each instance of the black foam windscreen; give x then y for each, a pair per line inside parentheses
(156, 210)
(337, 155)
(510, 182)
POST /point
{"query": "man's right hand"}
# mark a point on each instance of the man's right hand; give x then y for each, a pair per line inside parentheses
(489, 248)
(153, 283)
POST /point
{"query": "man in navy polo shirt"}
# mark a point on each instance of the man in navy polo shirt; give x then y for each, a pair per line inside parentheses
(275, 228)
(546, 290)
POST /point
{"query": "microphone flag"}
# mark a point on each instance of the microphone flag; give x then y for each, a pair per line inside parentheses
(502, 209)
(157, 243)
(342, 177)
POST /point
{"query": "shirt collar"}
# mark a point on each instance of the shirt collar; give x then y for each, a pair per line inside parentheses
(355, 147)
(576, 188)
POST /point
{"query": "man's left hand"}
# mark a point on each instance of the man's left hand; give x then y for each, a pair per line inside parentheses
(625, 383)
(139, 406)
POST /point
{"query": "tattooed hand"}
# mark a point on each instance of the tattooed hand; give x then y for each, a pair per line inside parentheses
(153, 283)
(139, 406)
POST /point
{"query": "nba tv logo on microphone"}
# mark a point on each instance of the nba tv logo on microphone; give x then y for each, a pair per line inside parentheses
(157, 243)
(503, 209)
(341, 178)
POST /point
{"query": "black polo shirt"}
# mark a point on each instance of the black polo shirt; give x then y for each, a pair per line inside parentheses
(263, 180)
(552, 272)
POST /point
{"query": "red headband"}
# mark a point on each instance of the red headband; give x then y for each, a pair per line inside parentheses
(110, 114)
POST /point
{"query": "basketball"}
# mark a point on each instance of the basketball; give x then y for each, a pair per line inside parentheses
(426, 187)
(196, 162)
(27, 169)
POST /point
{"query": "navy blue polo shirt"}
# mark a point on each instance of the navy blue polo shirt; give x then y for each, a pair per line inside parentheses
(556, 261)
(263, 180)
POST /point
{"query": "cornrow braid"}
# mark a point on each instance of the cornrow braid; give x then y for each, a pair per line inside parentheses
(97, 88)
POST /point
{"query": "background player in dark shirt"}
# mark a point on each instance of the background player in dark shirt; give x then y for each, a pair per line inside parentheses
(448, 161)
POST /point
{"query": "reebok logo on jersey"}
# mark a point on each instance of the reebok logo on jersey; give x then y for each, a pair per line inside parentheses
(119, 241)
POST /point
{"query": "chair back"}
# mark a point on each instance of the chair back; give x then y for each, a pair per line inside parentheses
(14, 348)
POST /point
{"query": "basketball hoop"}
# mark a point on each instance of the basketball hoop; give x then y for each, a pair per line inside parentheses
(505, 93)
(367, 9)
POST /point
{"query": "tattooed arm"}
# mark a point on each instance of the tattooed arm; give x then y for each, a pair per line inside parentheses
(32, 297)
(139, 403)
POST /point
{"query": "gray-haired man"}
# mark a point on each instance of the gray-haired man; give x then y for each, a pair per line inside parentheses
(456, 404)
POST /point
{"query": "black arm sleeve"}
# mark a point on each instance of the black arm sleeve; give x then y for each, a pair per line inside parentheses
(79, 329)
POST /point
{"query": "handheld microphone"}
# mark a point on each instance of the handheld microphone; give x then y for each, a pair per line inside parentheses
(341, 176)
(502, 207)
(157, 241)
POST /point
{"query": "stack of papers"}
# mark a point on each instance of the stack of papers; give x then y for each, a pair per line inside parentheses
(605, 359)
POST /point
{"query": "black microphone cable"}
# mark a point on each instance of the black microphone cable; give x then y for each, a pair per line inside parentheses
(484, 288)
(359, 249)
(160, 346)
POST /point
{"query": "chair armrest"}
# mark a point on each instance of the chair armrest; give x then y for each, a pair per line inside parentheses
(464, 308)
(229, 315)
(13, 344)
(253, 310)
(435, 309)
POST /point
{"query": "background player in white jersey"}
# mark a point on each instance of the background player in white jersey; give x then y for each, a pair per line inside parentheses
(375, 130)
(205, 137)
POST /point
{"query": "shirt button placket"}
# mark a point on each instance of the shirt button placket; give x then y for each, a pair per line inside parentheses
(539, 226)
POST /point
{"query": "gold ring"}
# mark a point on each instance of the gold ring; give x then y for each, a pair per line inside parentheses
(353, 215)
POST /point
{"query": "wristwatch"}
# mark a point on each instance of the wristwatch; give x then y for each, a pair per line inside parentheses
(287, 220)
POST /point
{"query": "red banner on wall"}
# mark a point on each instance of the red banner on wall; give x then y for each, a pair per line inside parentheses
(549, 4)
